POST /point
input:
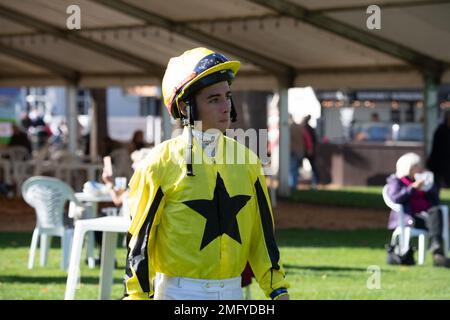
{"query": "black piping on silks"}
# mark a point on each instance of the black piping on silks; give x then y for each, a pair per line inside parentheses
(267, 225)
(139, 255)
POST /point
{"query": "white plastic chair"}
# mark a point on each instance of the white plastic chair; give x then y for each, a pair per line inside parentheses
(14, 156)
(18, 153)
(48, 196)
(402, 234)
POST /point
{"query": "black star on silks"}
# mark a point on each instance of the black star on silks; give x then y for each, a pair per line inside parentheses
(220, 213)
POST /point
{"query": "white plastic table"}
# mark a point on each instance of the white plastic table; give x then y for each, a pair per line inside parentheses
(110, 226)
(93, 200)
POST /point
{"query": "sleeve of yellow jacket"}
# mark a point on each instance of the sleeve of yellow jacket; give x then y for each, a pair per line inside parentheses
(264, 255)
(146, 202)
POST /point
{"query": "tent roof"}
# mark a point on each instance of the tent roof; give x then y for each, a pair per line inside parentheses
(321, 43)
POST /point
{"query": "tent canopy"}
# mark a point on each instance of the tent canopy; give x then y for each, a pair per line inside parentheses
(322, 43)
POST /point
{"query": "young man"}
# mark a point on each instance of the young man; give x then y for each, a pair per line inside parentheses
(198, 215)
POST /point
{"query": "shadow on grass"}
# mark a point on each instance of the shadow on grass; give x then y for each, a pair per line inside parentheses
(18, 239)
(50, 280)
(10, 239)
(333, 271)
(323, 268)
(375, 239)
(285, 238)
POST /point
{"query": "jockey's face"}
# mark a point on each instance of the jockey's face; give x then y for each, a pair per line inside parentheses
(214, 106)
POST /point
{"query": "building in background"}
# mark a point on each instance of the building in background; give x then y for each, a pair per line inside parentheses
(401, 110)
(355, 149)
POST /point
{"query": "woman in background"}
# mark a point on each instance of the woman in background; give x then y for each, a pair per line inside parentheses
(420, 202)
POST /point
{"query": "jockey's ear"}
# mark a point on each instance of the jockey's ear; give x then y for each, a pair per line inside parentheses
(182, 106)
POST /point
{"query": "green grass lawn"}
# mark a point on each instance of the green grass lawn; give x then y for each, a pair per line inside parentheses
(319, 265)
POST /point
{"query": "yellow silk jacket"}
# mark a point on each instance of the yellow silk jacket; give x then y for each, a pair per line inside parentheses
(205, 226)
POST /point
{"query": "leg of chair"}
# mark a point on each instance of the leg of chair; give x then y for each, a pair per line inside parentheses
(74, 264)
(90, 239)
(46, 240)
(404, 240)
(34, 244)
(90, 248)
(109, 244)
(248, 293)
(124, 242)
(66, 246)
(395, 237)
(63, 252)
(445, 232)
(422, 249)
(425, 247)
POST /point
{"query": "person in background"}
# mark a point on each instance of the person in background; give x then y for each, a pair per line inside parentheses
(297, 151)
(374, 117)
(119, 195)
(310, 142)
(421, 205)
(40, 133)
(20, 138)
(137, 142)
(25, 120)
(367, 132)
(59, 140)
(110, 145)
(439, 160)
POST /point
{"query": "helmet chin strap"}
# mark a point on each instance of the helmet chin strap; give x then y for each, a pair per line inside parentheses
(233, 114)
(188, 121)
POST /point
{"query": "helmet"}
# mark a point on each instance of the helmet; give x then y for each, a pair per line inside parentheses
(192, 71)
